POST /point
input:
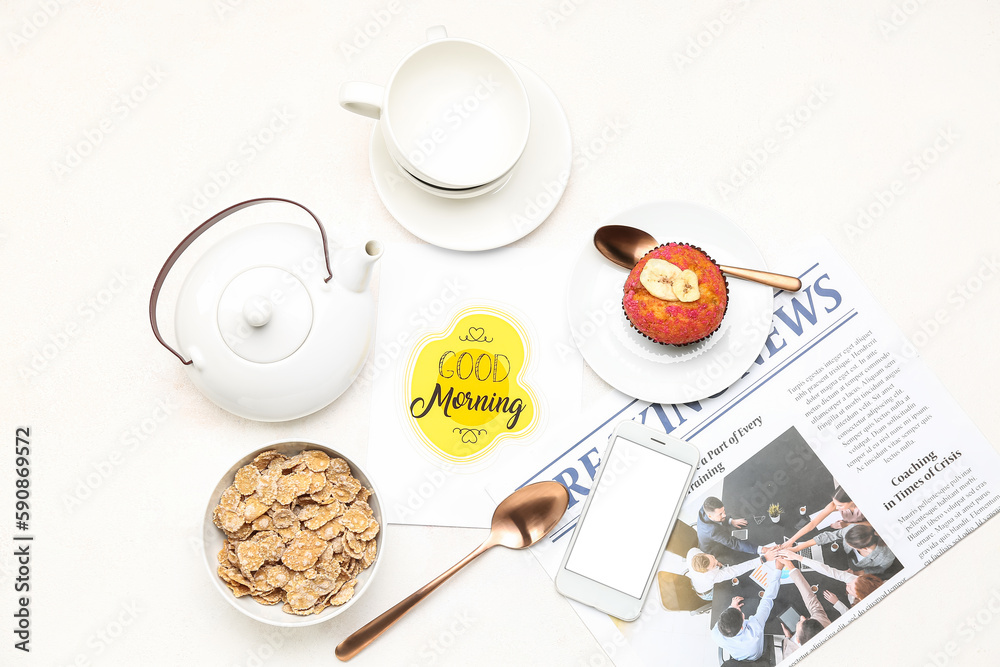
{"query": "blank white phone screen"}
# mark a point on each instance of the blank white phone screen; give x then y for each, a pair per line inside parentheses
(632, 505)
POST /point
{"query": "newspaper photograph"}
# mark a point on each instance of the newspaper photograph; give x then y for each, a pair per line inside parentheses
(836, 468)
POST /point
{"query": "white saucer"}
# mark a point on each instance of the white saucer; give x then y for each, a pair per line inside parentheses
(498, 218)
(636, 366)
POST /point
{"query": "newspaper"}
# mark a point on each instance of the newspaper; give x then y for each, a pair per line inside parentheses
(836, 398)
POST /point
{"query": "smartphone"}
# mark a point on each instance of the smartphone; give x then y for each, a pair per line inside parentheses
(741, 534)
(626, 520)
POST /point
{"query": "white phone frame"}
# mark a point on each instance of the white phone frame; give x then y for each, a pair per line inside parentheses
(598, 595)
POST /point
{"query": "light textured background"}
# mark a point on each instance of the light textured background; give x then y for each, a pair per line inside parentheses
(227, 66)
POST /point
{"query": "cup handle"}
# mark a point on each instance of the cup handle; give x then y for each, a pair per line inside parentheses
(362, 98)
(436, 32)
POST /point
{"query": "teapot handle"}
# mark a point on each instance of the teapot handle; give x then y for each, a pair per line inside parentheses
(201, 229)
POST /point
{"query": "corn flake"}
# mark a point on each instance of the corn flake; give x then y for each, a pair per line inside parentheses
(292, 486)
(230, 499)
(283, 517)
(324, 514)
(254, 507)
(290, 532)
(317, 461)
(246, 479)
(304, 549)
(262, 460)
(337, 466)
(330, 530)
(370, 532)
(263, 522)
(273, 597)
(345, 593)
(354, 520)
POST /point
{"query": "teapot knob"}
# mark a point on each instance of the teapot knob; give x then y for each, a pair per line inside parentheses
(257, 311)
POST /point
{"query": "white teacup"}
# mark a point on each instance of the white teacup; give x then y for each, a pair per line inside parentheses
(454, 114)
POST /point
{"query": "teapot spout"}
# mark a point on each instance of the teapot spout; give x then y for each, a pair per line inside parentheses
(354, 267)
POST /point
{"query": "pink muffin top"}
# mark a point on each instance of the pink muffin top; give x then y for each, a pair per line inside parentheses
(677, 322)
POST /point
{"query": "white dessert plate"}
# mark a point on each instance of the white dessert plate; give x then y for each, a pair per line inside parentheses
(637, 366)
(495, 219)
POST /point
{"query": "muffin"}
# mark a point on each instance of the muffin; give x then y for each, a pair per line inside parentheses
(676, 295)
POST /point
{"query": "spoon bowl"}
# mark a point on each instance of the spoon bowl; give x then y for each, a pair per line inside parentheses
(625, 246)
(528, 514)
(520, 520)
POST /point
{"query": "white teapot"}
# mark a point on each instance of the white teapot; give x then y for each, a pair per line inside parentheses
(272, 324)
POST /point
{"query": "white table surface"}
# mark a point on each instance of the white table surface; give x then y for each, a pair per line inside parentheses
(674, 130)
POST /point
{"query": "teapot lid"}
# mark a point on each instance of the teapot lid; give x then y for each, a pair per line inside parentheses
(265, 314)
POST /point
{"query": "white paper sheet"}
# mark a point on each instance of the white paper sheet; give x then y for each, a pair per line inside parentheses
(433, 461)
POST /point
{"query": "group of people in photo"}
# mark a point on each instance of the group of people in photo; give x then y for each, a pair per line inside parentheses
(722, 556)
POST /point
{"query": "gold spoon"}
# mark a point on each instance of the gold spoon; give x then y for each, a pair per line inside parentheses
(523, 518)
(625, 246)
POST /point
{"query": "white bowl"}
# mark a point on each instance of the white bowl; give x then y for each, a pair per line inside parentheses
(455, 114)
(212, 538)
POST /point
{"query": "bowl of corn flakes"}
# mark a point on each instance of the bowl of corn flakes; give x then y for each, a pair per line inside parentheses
(293, 533)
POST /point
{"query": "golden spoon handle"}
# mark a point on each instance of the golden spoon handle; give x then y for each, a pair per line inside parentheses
(788, 283)
(353, 645)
